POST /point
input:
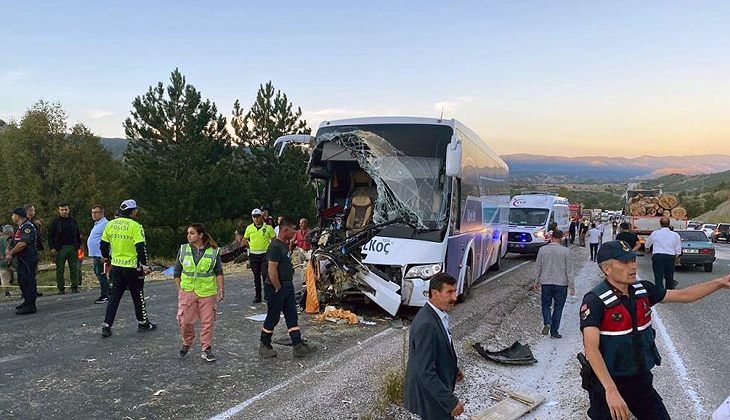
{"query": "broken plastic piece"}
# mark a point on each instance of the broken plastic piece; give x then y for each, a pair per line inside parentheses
(338, 314)
(516, 354)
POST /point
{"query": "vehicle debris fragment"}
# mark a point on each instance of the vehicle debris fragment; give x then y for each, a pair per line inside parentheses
(516, 354)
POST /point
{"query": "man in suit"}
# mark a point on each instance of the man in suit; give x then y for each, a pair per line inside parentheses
(432, 371)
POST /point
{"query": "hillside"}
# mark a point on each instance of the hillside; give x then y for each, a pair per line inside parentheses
(678, 182)
(116, 146)
(720, 215)
(603, 168)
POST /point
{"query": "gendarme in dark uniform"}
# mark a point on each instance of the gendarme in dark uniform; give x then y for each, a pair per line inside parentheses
(619, 339)
(26, 260)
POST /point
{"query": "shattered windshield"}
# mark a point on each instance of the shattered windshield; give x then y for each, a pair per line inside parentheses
(406, 162)
(527, 217)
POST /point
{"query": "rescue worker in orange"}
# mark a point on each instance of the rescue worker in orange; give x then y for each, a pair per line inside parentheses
(619, 340)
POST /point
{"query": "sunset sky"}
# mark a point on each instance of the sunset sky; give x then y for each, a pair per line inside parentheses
(563, 78)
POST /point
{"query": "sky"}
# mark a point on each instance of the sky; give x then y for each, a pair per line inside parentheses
(613, 78)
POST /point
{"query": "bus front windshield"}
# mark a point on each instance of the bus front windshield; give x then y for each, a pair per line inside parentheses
(528, 216)
(407, 163)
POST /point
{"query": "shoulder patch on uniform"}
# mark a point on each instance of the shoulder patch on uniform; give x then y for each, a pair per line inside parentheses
(26, 230)
(584, 312)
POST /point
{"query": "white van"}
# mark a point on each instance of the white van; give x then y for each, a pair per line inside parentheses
(530, 217)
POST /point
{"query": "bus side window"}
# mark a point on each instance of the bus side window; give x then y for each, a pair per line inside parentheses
(455, 220)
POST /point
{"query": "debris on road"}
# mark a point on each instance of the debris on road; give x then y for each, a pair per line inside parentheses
(333, 313)
(516, 354)
(511, 405)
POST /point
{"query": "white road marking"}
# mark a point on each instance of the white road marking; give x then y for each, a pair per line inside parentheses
(679, 364)
(499, 275)
(240, 407)
(11, 358)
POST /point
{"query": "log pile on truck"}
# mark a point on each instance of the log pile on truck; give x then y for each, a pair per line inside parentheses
(662, 204)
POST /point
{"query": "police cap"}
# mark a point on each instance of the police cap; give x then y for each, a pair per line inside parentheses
(615, 250)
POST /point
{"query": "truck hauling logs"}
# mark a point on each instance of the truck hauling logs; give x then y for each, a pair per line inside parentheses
(644, 209)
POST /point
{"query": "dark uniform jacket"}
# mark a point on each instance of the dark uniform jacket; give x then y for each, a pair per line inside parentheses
(627, 337)
(431, 371)
(26, 233)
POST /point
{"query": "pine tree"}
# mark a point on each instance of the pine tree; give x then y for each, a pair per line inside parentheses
(270, 117)
(180, 159)
(281, 183)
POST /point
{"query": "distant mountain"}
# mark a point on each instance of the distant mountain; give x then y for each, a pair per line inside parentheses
(602, 168)
(116, 146)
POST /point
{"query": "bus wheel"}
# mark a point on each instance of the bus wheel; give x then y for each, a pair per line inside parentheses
(497, 264)
(467, 285)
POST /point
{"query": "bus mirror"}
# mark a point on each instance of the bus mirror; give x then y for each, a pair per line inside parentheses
(453, 158)
(300, 139)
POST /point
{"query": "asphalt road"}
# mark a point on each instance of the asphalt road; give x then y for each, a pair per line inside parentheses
(55, 365)
(700, 332)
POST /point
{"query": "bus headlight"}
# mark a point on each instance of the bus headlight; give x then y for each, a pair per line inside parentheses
(424, 271)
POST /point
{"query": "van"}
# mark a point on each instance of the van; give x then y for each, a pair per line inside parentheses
(530, 217)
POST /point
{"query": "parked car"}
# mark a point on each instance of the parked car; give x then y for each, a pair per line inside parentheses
(708, 228)
(697, 250)
(693, 224)
(721, 233)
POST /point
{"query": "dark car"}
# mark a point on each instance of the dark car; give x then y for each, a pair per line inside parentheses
(697, 250)
(721, 233)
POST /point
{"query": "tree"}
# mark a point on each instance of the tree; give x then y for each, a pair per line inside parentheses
(270, 117)
(180, 161)
(45, 165)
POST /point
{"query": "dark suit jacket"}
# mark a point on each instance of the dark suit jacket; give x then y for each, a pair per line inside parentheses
(431, 371)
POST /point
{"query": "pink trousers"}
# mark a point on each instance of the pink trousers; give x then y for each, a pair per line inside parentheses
(190, 308)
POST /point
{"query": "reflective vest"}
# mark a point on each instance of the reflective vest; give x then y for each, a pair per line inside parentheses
(627, 345)
(198, 278)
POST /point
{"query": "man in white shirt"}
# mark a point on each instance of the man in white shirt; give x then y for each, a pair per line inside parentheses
(665, 246)
(594, 239)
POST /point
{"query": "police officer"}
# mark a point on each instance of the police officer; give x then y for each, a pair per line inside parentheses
(258, 236)
(123, 237)
(619, 340)
(26, 258)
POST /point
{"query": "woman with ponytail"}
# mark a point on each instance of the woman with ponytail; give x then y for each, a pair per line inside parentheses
(199, 279)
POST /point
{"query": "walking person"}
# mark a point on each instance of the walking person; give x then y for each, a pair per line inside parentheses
(5, 275)
(615, 319)
(594, 240)
(123, 244)
(64, 239)
(199, 278)
(279, 290)
(26, 260)
(93, 244)
(572, 229)
(432, 370)
(583, 230)
(554, 275)
(258, 236)
(666, 246)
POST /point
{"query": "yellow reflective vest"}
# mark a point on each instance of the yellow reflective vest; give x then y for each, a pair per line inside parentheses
(200, 277)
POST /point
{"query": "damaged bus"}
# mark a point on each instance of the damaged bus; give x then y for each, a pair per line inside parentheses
(400, 199)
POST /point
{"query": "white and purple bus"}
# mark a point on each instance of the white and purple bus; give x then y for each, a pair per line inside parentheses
(439, 193)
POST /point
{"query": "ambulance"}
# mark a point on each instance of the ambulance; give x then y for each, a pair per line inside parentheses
(531, 215)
